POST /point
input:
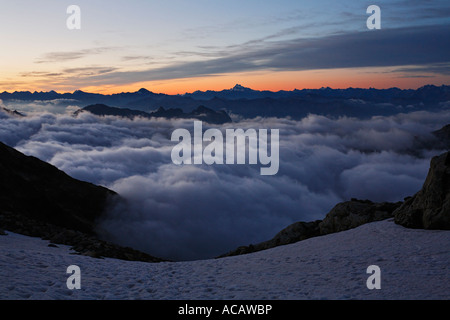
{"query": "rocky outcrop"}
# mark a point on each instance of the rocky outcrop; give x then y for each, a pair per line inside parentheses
(34, 188)
(436, 140)
(430, 207)
(427, 209)
(443, 136)
(343, 216)
(39, 200)
(351, 214)
(80, 242)
(295, 232)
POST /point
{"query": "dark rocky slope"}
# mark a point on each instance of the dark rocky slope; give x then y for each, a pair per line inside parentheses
(37, 199)
(443, 136)
(343, 216)
(36, 189)
(430, 207)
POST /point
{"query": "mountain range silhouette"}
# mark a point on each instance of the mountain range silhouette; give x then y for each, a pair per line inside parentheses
(248, 103)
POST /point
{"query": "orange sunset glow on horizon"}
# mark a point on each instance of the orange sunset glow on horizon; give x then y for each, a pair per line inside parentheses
(281, 81)
(262, 81)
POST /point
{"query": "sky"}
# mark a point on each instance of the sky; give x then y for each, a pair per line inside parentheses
(176, 46)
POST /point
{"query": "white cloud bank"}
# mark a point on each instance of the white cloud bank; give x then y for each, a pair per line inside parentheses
(192, 211)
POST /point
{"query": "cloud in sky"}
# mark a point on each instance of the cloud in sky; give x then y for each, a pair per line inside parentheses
(442, 68)
(424, 46)
(64, 56)
(190, 212)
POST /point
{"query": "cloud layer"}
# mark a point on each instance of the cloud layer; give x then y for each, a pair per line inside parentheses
(200, 211)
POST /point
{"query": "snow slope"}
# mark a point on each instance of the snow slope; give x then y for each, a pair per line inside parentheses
(415, 264)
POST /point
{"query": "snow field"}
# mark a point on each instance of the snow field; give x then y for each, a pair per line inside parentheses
(415, 264)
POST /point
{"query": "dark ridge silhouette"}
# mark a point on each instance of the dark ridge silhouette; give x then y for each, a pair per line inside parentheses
(39, 200)
(200, 113)
(249, 103)
(12, 112)
(104, 110)
(39, 190)
(443, 136)
(429, 208)
(345, 215)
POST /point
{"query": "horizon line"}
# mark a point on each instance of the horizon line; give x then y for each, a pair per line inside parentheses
(225, 89)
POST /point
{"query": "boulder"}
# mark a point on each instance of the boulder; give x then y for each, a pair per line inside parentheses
(295, 232)
(353, 213)
(343, 216)
(430, 207)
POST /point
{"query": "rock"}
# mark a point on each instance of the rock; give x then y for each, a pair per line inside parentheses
(353, 213)
(38, 200)
(343, 216)
(295, 232)
(443, 136)
(430, 207)
(81, 243)
(435, 140)
(38, 190)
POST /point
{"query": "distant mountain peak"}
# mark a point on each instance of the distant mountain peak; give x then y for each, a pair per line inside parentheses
(144, 91)
(12, 112)
(240, 88)
(202, 108)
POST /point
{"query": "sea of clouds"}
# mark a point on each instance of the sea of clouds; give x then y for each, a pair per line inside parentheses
(200, 211)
